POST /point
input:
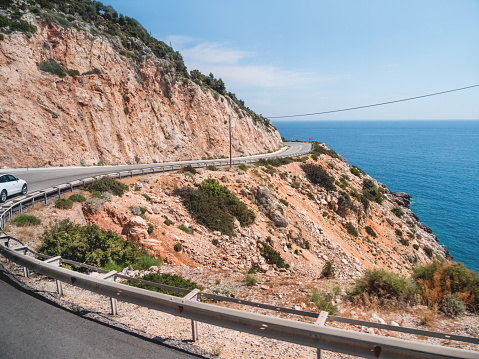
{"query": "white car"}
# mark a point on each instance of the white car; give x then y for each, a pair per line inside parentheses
(10, 185)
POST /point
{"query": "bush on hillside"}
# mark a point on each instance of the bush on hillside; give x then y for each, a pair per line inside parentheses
(53, 67)
(372, 192)
(215, 207)
(108, 184)
(25, 220)
(271, 255)
(316, 174)
(77, 198)
(63, 203)
(94, 246)
(385, 285)
(439, 279)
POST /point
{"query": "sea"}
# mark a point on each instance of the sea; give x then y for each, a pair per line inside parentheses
(436, 162)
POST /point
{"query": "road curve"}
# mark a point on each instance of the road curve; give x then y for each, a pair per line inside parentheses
(40, 178)
(32, 328)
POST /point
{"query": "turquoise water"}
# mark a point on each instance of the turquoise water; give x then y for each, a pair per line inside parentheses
(436, 162)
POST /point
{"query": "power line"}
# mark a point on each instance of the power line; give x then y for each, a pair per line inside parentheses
(376, 104)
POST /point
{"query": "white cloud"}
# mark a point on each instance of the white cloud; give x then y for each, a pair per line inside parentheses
(214, 53)
(232, 66)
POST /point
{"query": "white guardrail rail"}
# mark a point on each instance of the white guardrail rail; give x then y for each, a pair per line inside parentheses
(315, 335)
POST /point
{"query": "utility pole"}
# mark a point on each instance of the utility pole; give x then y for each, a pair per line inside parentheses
(230, 139)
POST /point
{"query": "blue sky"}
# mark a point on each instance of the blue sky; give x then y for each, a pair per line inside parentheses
(287, 58)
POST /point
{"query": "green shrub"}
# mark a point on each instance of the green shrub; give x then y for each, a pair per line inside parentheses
(355, 171)
(384, 284)
(145, 196)
(212, 168)
(271, 255)
(138, 210)
(283, 201)
(23, 26)
(95, 204)
(251, 271)
(106, 183)
(428, 251)
(178, 247)
(185, 229)
(404, 242)
(53, 67)
(322, 300)
(73, 73)
(351, 229)
(345, 204)
(151, 228)
(167, 222)
(321, 149)
(215, 207)
(398, 232)
(275, 162)
(172, 280)
(25, 220)
(94, 71)
(372, 192)
(2, 37)
(4, 21)
(415, 246)
(250, 280)
(329, 271)
(452, 306)
(188, 168)
(243, 167)
(397, 211)
(97, 194)
(77, 198)
(63, 203)
(370, 231)
(92, 245)
(318, 175)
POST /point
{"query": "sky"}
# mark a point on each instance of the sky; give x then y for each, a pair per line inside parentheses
(286, 58)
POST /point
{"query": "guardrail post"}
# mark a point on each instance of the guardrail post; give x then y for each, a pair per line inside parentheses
(322, 317)
(111, 277)
(59, 193)
(21, 207)
(193, 295)
(71, 187)
(46, 200)
(57, 261)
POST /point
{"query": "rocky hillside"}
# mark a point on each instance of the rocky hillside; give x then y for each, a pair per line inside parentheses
(69, 89)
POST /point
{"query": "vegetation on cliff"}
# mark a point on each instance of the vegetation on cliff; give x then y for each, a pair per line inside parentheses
(94, 246)
(215, 207)
(447, 285)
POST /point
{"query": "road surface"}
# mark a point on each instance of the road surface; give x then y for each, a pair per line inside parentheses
(31, 327)
(40, 178)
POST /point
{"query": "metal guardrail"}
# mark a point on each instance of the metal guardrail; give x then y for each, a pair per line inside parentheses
(8, 208)
(317, 336)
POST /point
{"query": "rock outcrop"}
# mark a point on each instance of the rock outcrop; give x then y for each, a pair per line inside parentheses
(132, 109)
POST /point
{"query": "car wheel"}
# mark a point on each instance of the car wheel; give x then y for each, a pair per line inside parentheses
(24, 189)
(3, 196)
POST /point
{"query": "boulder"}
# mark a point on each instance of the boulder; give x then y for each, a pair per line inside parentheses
(400, 198)
(278, 219)
(136, 228)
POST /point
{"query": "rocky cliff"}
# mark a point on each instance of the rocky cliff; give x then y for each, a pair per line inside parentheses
(132, 106)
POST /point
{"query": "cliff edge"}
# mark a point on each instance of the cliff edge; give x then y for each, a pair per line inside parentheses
(69, 92)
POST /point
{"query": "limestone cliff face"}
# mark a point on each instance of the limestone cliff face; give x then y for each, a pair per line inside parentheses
(134, 110)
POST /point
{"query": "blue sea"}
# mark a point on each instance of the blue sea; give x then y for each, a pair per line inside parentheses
(436, 162)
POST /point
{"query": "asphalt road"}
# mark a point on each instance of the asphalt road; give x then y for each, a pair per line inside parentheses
(40, 178)
(33, 328)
